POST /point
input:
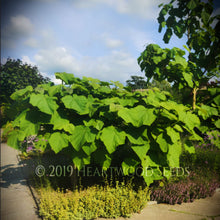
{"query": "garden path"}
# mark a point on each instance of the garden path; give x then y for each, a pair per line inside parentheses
(17, 199)
(17, 202)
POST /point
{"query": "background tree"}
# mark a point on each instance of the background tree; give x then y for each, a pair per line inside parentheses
(194, 19)
(137, 82)
(17, 75)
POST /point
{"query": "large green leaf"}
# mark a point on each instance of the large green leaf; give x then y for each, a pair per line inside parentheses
(141, 150)
(129, 165)
(61, 123)
(188, 78)
(97, 124)
(14, 139)
(45, 103)
(174, 153)
(68, 78)
(53, 90)
(189, 147)
(78, 103)
(89, 148)
(205, 16)
(150, 174)
(190, 119)
(162, 142)
(206, 111)
(138, 116)
(173, 134)
(112, 137)
(192, 4)
(21, 93)
(217, 123)
(128, 102)
(58, 141)
(102, 157)
(80, 136)
(217, 100)
(80, 159)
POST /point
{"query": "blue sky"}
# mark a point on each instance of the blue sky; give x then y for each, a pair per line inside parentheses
(97, 38)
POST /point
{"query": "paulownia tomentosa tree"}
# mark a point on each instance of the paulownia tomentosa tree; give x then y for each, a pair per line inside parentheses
(196, 20)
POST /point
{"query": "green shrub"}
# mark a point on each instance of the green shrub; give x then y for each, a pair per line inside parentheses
(93, 202)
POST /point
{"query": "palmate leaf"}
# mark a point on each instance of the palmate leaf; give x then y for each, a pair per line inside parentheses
(141, 150)
(217, 123)
(97, 124)
(189, 147)
(53, 90)
(14, 139)
(21, 93)
(112, 137)
(27, 127)
(103, 158)
(192, 4)
(89, 148)
(173, 134)
(45, 103)
(188, 79)
(190, 119)
(138, 116)
(129, 165)
(80, 136)
(58, 141)
(217, 100)
(206, 111)
(150, 174)
(174, 153)
(78, 103)
(61, 123)
(68, 78)
(162, 142)
(80, 159)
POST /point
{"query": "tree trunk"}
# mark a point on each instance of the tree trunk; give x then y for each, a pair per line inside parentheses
(194, 98)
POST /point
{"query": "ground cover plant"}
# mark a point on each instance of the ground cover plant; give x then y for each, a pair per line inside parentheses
(203, 174)
(93, 202)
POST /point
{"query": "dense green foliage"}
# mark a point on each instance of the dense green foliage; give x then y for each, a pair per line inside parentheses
(137, 82)
(193, 18)
(94, 202)
(191, 76)
(16, 75)
(196, 20)
(96, 123)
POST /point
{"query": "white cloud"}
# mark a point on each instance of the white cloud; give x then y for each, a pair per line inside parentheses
(113, 43)
(140, 39)
(26, 59)
(145, 9)
(20, 26)
(116, 66)
(31, 42)
(56, 59)
(142, 8)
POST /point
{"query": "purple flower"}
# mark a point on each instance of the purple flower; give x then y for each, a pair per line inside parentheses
(206, 162)
(29, 148)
